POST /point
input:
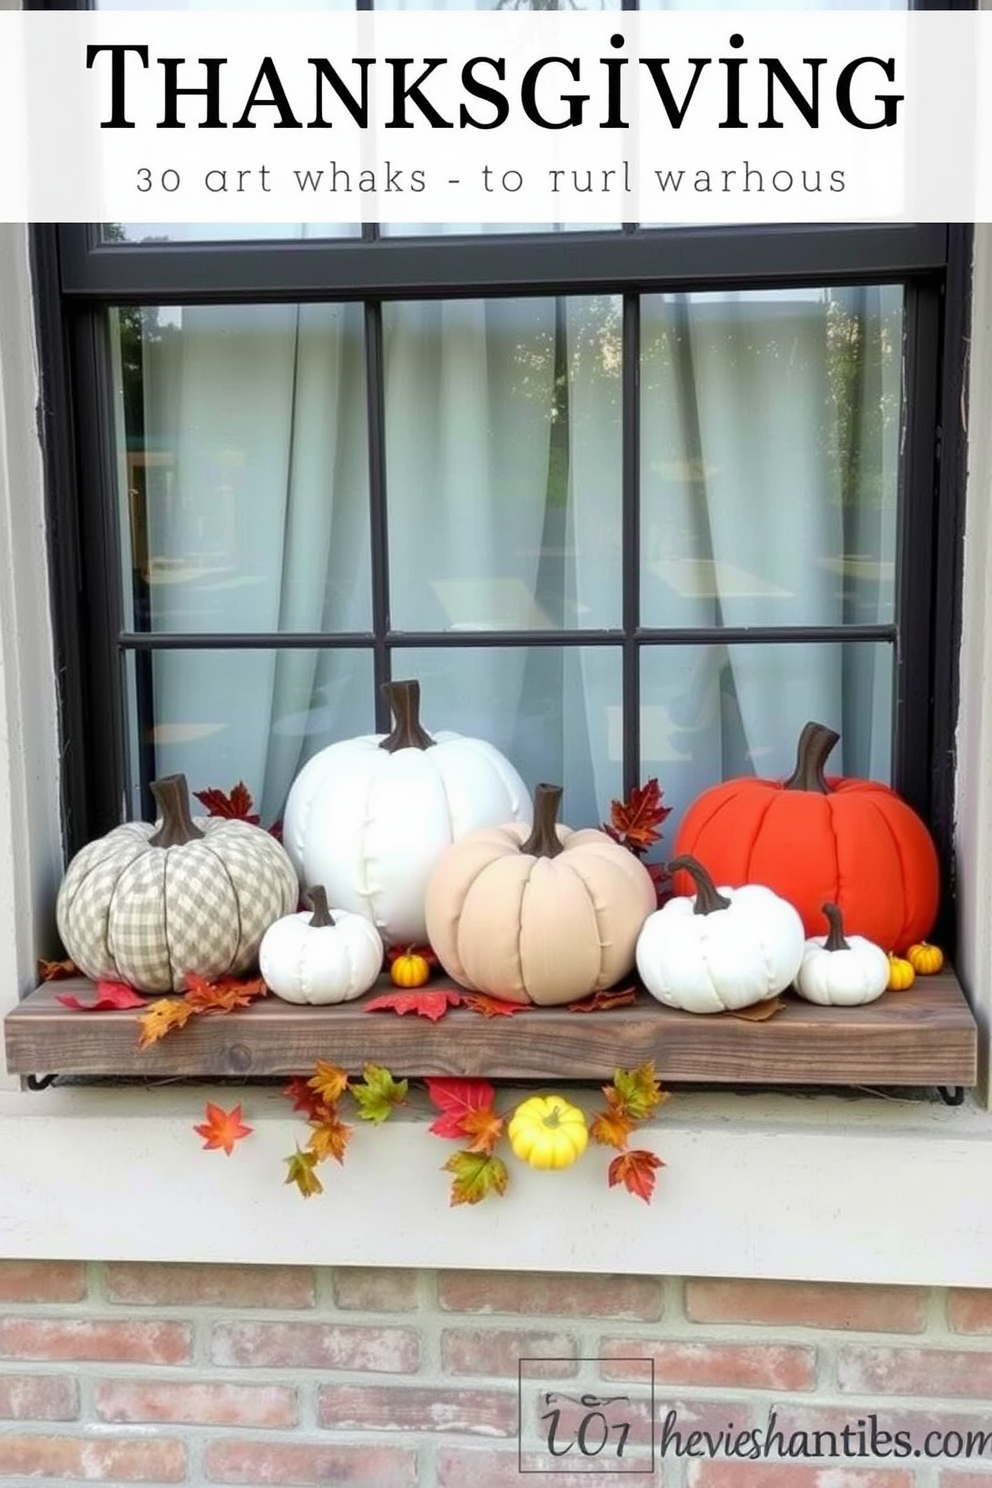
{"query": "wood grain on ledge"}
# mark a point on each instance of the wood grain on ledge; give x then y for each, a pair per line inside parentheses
(926, 1036)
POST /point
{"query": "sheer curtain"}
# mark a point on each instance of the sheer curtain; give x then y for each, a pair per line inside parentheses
(768, 474)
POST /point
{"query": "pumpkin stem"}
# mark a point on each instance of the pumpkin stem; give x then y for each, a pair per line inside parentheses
(178, 827)
(408, 733)
(317, 900)
(835, 940)
(707, 898)
(544, 841)
(815, 743)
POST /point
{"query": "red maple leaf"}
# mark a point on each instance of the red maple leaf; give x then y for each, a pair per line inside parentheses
(433, 1004)
(634, 822)
(109, 996)
(424, 951)
(236, 804)
(304, 1097)
(222, 1128)
(456, 1100)
(635, 1170)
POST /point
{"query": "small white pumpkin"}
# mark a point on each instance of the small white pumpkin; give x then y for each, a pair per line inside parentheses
(322, 958)
(370, 817)
(841, 972)
(720, 949)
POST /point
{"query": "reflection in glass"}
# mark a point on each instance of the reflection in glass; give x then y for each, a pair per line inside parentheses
(550, 709)
(242, 458)
(710, 713)
(255, 715)
(503, 465)
(770, 457)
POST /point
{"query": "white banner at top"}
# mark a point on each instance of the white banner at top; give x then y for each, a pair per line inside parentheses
(550, 117)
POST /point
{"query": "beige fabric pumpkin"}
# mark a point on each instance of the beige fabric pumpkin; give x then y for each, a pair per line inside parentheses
(545, 916)
(149, 903)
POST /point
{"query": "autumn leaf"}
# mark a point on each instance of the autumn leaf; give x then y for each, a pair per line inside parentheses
(611, 1128)
(224, 995)
(109, 996)
(758, 1012)
(634, 822)
(223, 1128)
(329, 1081)
(492, 1007)
(476, 1176)
(236, 804)
(635, 1093)
(301, 1172)
(483, 1129)
(379, 1094)
(466, 1108)
(602, 1001)
(427, 952)
(303, 1097)
(635, 1170)
(330, 1137)
(162, 1017)
(57, 971)
(433, 1004)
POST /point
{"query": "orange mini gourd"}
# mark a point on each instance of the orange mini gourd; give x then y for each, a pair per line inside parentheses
(409, 970)
(547, 915)
(925, 959)
(901, 974)
(817, 839)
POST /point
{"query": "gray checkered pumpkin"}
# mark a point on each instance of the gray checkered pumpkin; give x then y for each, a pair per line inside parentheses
(146, 904)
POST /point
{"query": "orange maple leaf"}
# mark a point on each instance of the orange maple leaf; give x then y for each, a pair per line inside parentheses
(329, 1081)
(431, 1004)
(483, 1129)
(236, 803)
(602, 1001)
(330, 1137)
(301, 1172)
(492, 1007)
(223, 1128)
(161, 1018)
(224, 995)
(634, 822)
(635, 1093)
(611, 1128)
(635, 1170)
(56, 971)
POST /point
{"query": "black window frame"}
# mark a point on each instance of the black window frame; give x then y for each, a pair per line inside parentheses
(78, 278)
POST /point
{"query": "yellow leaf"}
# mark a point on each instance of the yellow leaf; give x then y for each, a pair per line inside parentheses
(329, 1081)
(161, 1018)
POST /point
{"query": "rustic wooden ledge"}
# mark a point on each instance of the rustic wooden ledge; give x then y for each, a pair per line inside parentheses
(926, 1036)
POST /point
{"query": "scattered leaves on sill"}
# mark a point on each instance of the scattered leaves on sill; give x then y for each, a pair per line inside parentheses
(432, 1003)
(330, 1137)
(110, 997)
(476, 1176)
(758, 1012)
(328, 1083)
(222, 1129)
(603, 1001)
(467, 1110)
(493, 1007)
(57, 971)
(379, 1093)
(301, 1172)
(223, 996)
(162, 1017)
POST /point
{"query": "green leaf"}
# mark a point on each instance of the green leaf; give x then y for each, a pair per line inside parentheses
(379, 1093)
(477, 1175)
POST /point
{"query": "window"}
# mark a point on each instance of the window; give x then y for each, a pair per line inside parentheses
(627, 502)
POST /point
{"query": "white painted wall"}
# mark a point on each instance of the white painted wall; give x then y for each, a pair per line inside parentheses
(820, 1188)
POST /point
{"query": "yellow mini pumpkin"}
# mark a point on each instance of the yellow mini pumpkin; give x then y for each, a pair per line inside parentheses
(545, 916)
(547, 1131)
(901, 974)
(409, 969)
(925, 959)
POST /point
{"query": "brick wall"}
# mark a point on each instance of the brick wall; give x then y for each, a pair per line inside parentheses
(140, 1373)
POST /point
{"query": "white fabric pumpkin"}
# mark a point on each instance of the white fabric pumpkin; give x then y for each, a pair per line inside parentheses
(839, 970)
(721, 949)
(369, 817)
(149, 903)
(320, 958)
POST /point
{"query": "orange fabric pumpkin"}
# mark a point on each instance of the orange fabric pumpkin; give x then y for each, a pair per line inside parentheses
(409, 969)
(545, 915)
(814, 839)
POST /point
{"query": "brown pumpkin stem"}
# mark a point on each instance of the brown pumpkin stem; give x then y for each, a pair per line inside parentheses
(835, 940)
(544, 841)
(317, 900)
(178, 827)
(707, 898)
(815, 744)
(408, 733)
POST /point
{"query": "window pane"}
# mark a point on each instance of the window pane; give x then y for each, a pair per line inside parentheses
(770, 457)
(503, 463)
(220, 232)
(551, 710)
(257, 716)
(709, 713)
(242, 450)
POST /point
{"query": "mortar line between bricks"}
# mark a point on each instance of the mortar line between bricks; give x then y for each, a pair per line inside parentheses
(938, 1326)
